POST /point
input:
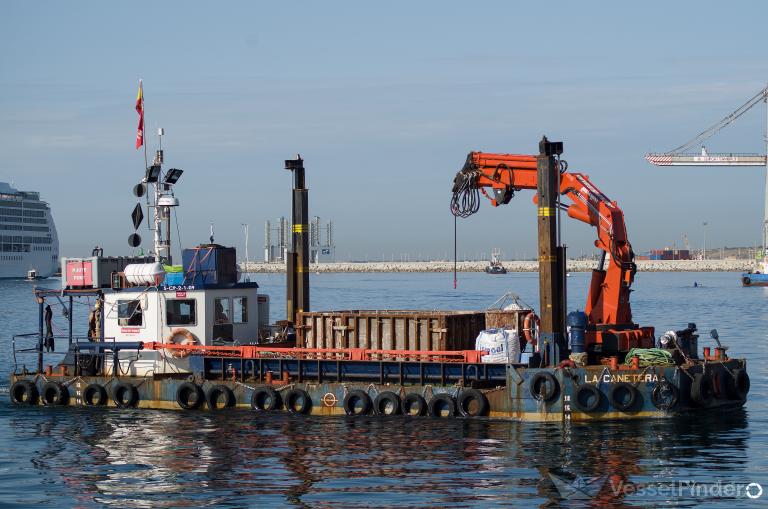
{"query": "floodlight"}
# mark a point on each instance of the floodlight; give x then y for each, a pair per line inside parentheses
(173, 176)
(153, 173)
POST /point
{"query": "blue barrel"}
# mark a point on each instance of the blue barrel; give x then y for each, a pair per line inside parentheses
(577, 323)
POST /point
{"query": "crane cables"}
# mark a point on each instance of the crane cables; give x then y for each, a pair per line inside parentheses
(466, 194)
(725, 122)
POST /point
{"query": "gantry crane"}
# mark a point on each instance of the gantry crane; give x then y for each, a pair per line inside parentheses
(681, 156)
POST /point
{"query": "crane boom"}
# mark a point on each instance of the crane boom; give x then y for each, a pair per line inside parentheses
(608, 308)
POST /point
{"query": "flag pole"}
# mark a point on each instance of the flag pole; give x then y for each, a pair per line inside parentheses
(144, 126)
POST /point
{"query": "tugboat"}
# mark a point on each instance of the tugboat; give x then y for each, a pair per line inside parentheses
(203, 341)
(495, 267)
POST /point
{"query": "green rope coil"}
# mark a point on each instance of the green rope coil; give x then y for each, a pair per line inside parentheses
(650, 357)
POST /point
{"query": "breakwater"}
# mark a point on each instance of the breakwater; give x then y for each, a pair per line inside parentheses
(728, 265)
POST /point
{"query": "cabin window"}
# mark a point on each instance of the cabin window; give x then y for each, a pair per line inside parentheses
(129, 313)
(180, 312)
(239, 309)
(223, 313)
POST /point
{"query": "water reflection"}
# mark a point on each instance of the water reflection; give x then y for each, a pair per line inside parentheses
(162, 459)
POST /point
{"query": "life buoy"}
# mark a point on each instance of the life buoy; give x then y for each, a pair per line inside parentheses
(531, 325)
(94, 395)
(473, 403)
(623, 396)
(24, 392)
(54, 393)
(297, 401)
(180, 337)
(547, 381)
(220, 397)
(387, 403)
(587, 398)
(265, 399)
(442, 405)
(357, 402)
(414, 405)
(189, 396)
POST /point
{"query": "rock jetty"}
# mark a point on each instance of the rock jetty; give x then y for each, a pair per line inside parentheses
(728, 265)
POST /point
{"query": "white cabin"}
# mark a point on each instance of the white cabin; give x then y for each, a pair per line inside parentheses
(229, 315)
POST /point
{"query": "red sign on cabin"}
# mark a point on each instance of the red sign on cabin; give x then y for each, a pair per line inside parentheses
(181, 295)
(79, 273)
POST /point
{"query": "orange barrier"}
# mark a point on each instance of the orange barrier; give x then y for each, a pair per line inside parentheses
(351, 354)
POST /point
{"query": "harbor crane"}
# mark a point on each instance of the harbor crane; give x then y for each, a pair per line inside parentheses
(682, 155)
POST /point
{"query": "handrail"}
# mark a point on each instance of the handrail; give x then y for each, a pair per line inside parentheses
(38, 346)
(353, 354)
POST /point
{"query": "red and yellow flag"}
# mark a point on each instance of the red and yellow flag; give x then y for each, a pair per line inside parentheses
(140, 111)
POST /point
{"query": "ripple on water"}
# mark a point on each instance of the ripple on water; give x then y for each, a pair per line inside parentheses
(124, 458)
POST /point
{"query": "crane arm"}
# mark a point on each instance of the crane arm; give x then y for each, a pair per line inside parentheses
(505, 174)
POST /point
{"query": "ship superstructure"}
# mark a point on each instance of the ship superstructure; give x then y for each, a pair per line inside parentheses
(28, 238)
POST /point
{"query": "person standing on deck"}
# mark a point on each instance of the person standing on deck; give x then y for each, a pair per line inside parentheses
(49, 341)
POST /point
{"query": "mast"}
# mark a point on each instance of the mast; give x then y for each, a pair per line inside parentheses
(164, 201)
(765, 209)
(157, 221)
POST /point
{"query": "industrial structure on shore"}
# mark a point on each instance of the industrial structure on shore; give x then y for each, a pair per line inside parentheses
(277, 241)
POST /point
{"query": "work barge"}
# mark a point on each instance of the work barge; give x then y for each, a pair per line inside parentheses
(198, 339)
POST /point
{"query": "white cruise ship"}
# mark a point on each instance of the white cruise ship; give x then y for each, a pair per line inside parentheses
(29, 244)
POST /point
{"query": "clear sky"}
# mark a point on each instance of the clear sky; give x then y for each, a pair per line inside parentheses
(383, 100)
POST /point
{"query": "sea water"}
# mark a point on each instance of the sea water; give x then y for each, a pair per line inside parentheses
(82, 457)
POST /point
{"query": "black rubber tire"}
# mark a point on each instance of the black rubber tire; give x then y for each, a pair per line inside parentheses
(54, 394)
(702, 389)
(411, 402)
(265, 399)
(387, 403)
(586, 398)
(95, 395)
(216, 393)
(442, 401)
(665, 395)
(616, 399)
(741, 382)
(551, 386)
(351, 400)
(24, 392)
(297, 401)
(746, 281)
(469, 396)
(125, 395)
(189, 396)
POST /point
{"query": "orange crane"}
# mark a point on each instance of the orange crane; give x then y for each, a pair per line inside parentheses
(610, 327)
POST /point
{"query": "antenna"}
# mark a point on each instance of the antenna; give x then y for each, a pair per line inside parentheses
(211, 232)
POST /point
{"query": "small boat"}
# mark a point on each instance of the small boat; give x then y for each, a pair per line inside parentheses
(758, 277)
(495, 267)
(32, 275)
